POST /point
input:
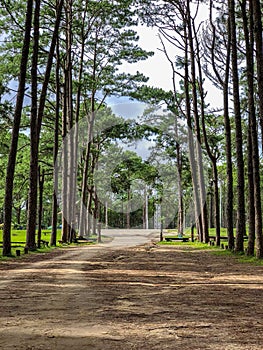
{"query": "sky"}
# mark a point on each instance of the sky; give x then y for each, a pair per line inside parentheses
(158, 69)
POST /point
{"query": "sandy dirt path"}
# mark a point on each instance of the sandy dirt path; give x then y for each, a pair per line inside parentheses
(131, 294)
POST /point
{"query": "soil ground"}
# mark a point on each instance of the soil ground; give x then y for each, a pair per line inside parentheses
(124, 296)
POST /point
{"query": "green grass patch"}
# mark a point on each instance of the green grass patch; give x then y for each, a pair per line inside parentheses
(22, 254)
(240, 257)
(16, 235)
(20, 235)
(171, 243)
(197, 245)
(223, 231)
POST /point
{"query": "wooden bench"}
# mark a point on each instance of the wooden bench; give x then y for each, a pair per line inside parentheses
(13, 244)
(225, 238)
(19, 244)
(221, 237)
(45, 243)
(61, 242)
(180, 239)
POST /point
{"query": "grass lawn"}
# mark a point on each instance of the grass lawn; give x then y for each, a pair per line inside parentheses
(241, 257)
(20, 237)
(187, 232)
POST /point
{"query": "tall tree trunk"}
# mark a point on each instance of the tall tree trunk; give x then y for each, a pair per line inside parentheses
(146, 208)
(33, 178)
(228, 149)
(200, 174)
(77, 113)
(89, 212)
(35, 127)
(180, 221)
(216, 202)
(211, 205)
(224, 82)
(257, 220)
(212, 157)
(198, 220)
(241, 221)
(84, 187)
(106, 215)
(251, 198)
(96, 212)
(10, 171)
(41, 180)
(90, 120)
(128, 213)
(65, 226)
(18, 215)
(67, 133)
(71, 146)
(258, 32)
(53, 240)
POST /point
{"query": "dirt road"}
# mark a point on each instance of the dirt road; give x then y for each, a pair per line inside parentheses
(131, 294)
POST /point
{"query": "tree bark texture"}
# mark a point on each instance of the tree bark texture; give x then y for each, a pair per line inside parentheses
(10, 171)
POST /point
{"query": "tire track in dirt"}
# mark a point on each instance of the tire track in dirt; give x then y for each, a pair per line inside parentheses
(118, 296)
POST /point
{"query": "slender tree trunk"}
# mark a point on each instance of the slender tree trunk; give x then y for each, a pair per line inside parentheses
(216, 202)
(77, 113)
(71, 144)
(18, 215)
(65, 226)
(241, 221)
(94, 166)
(258, 32)
(94, 221)
(128, 214)
(257, 220)
(228, 149)
(36, 123)
(106, 215)
(212, 210)
(89, 212)
(67, 134)
(53, 240)
(91, 120)
(10, 171)
(96, 213)
(198, 220)
(41, 180)
(146, 208)
(251, 199)
(84, 187)
(212, 157)
(33, 177)
(199, 162)
(180, 220)
(224, 81)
